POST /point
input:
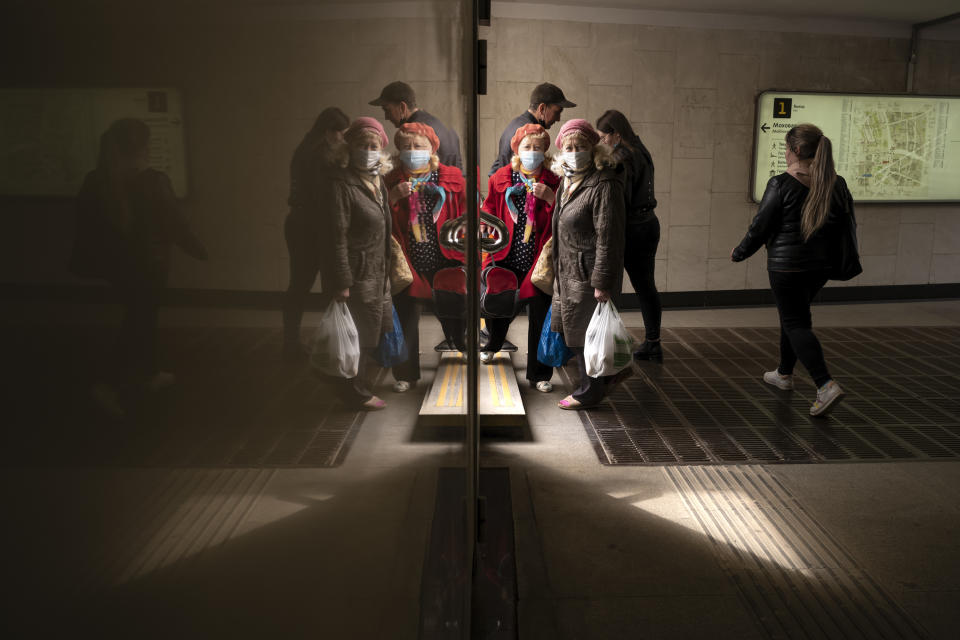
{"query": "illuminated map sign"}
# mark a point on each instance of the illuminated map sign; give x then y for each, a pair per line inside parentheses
(889, 148)
(49, 138)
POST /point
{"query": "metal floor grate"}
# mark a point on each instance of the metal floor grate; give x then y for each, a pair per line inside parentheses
(708, 405)
(235, 404)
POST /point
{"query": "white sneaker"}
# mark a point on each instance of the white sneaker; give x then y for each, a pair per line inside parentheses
(828, 396)
(779, 380)
(544, 386)
(161, 380)
(401, 386)
(486, 357)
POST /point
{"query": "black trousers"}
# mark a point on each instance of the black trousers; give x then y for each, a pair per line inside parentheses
(591, 390)
(408, 311)
(304, 266)
(640, 259)
(537, 308)
(137, 351)
(794, 291)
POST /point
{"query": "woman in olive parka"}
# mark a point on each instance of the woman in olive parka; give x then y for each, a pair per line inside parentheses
(588, 228)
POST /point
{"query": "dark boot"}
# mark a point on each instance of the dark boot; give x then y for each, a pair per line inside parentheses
(652, 351)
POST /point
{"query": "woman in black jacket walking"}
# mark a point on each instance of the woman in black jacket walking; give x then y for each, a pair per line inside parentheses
(801, 213)
(128, 220)
(642, 227)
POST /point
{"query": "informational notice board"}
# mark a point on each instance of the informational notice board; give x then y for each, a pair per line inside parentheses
(49, 138)
(889, 148)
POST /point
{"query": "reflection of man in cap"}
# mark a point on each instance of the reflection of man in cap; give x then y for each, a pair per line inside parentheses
(546, 104)
(399, 104)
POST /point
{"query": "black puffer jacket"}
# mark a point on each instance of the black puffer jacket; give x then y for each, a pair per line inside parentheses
(777, 225)
(638, 181)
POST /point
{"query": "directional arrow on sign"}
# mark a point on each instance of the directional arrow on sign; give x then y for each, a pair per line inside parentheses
(764, 127)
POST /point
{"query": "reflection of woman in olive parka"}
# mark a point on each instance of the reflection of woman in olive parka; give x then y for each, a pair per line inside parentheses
(357, 252)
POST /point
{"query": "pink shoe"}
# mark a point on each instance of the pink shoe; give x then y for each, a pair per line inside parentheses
(569, 403)
(374, 404)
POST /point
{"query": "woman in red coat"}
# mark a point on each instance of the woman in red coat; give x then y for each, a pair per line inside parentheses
(523, 196)
(423, 195)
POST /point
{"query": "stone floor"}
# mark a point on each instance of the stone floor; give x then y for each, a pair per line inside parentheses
(810, 550)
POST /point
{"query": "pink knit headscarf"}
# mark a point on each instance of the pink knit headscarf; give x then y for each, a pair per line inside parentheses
(577, 125)
(365, 122)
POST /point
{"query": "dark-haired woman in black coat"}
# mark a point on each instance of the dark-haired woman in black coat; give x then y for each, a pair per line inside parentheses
(642, 227)
(310, 169)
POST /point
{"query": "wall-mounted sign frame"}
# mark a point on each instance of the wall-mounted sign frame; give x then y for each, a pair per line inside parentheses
(892, 148)
(49, 137)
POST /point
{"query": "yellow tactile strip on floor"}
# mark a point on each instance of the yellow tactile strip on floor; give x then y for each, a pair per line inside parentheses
(707, 403)
(795, 578)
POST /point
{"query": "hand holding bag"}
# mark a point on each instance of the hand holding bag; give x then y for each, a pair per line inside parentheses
(608, 348)
(392, 349)
(542, 275)
(552, 350)
(336, 343)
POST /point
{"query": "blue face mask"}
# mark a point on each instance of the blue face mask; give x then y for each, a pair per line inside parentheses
(414, 159)
(531, 159)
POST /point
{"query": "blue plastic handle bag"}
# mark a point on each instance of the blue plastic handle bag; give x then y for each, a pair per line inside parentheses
(552, 350)
(392, 349)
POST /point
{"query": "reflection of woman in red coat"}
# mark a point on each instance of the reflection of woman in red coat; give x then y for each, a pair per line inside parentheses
(523, 196)
(423, 195)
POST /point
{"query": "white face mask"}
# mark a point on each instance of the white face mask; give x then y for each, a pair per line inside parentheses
(365, 160)
(531, 159)
(414, 159)
(576, 160)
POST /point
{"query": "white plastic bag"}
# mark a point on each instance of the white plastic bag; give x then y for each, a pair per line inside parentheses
(336, 344)
(609, 346)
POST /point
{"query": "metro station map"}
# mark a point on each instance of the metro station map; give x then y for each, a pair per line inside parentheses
(890, 148)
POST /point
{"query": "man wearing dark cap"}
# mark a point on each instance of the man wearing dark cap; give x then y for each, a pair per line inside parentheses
(399, 104)
(546, 104)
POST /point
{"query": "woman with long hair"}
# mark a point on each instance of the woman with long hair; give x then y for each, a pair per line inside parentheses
(642, 234)
(127, 221)
(588, 245)
(311, 168)
(800, 214)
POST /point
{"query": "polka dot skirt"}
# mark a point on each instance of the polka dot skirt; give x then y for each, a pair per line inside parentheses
(520, 258)
(426, 256)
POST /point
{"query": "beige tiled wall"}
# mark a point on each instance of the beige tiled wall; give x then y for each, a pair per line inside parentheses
(252, 88)
(690, 95)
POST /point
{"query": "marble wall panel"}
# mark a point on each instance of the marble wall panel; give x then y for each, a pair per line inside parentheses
(914, 254)
(687, 264)
(729, 218)
(697, 59)
(724, 274)
(690, 192)
(654, 77)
